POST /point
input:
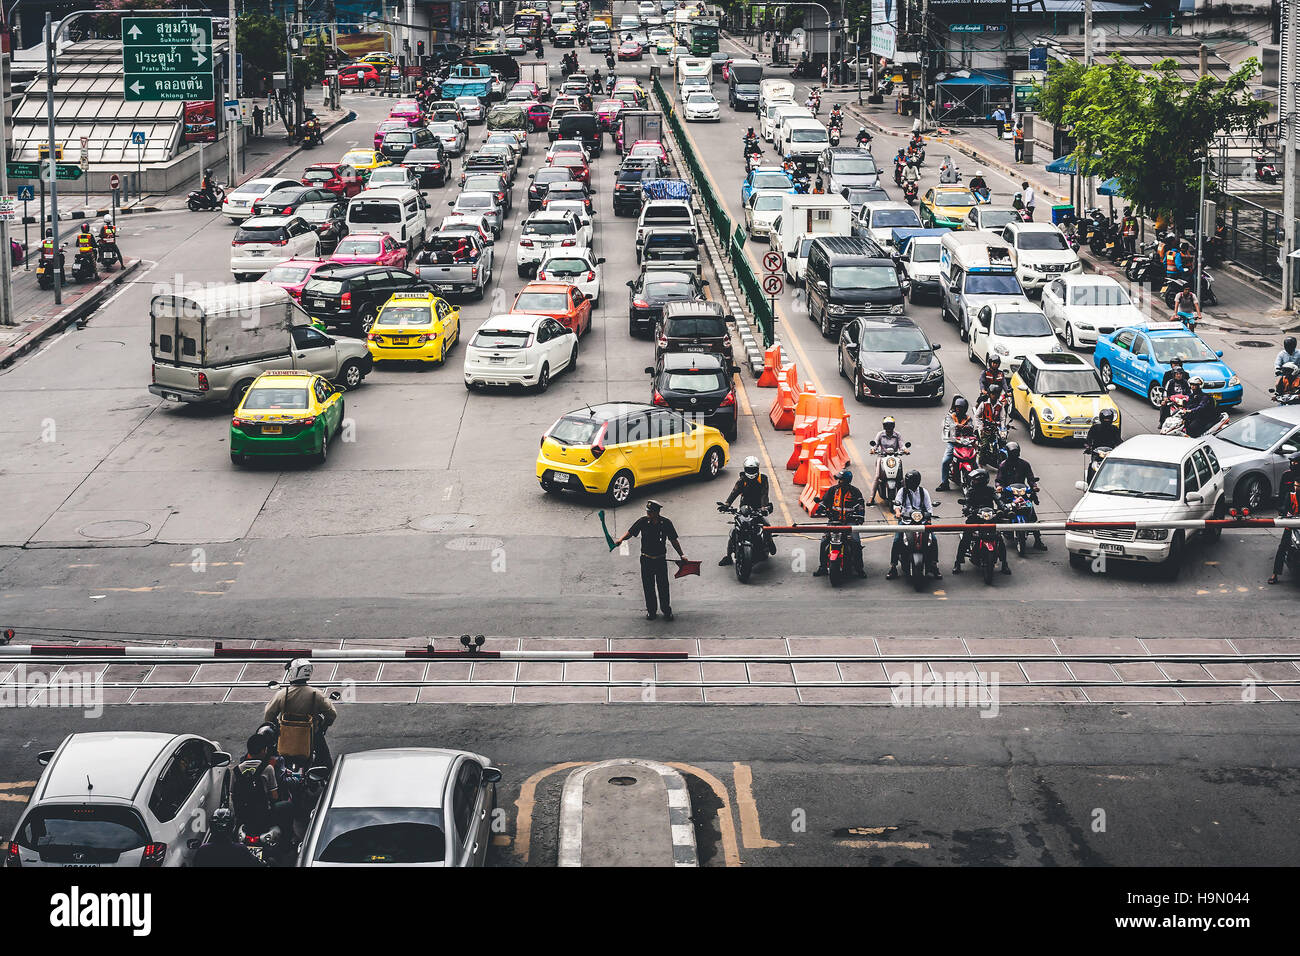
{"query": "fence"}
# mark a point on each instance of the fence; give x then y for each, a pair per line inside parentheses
(1254, 236)
(731, 245)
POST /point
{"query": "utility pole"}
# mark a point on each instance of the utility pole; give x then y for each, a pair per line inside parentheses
(923, 106)
(1286, 110)
(53, 152)
(6, 276)
(1087, 62)
(232, 93)
(1200, 225)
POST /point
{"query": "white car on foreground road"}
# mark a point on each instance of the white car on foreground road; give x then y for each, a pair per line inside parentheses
(763, 209)
(265, 241)
(700, 105)
(120, 798)
(543, 231)
(1147, 478)
(408, 806)
(519, 348)
(238, 204)
(1040, 253)
(1010, 328)
(1082, 306)
(577, 267)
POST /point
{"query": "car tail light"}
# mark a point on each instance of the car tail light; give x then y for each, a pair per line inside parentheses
(541, 274)
(424, 339)
(308, 421)
(501, 197)
(13, 857)
(287, 211)
(659, 399)
(591, 276)
(203, 381)
(345, 303)
(154, 854)
(526, 242)
(569, 242)
(728, 401)
(238, 423)
(372, 337)
(598, 446)
(663, 341)
(473, 272)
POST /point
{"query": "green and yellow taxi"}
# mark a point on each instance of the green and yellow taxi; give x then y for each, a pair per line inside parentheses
(414, 327)
(365, 161)
(286, 412)
(946, 207)
(488, 48)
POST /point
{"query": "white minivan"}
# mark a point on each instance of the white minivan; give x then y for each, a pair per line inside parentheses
(397, 212)
(802, 138)
(783, 115)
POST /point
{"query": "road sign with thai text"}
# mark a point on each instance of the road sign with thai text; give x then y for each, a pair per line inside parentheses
(167, 58)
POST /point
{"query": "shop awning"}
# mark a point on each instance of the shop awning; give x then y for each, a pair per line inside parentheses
(976, 78)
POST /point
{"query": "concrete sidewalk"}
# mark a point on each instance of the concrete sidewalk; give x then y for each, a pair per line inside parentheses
(627, 812)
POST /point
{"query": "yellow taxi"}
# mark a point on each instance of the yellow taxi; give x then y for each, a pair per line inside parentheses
(946, 207)
(414, 327)
(379, 58)
(365, 161)
(1058, 395)
(488, 47)
(611, 449)
(286, 412)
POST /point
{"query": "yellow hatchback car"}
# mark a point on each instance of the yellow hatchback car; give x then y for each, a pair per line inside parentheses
(1059, 395)
(286, 412)
(613, 448)
(414, 327)
(365, 161)
(946, 207)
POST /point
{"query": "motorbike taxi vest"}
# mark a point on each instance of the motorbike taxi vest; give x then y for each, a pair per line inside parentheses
(108, 234)
(83, 242)
(1171, 261)
(47, 247)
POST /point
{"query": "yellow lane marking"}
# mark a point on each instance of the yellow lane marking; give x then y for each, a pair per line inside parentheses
(137, 590)
(883, 845)
(726, 826)
(528, 799)
(16, 797)
(750, 834)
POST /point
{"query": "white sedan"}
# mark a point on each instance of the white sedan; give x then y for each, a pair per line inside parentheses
(577, 267)
(700, 105)
(1010, 330)
(543, 231)
(1081, 307)
(762, 210)
(519, 348)
(471, 107)
(561, 146)
(238, 204)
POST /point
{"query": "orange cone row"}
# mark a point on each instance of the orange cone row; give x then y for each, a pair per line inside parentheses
(788, 393)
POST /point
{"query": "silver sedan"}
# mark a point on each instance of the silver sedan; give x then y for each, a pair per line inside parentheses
(1255, 451)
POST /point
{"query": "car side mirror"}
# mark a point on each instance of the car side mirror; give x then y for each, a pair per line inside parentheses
(1219, 352)
(318, 774)
(219, 758)
(491, 775)
(1193, 498)
(649, 370)
(1081, 485)
(44, 757)
(1287, 450)
(1111, 387)
(935, 346)
(630, 283)
(451, 204)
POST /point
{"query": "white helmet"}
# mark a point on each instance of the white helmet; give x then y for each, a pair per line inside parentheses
(108, 220)
(751, 466)
(299, 670)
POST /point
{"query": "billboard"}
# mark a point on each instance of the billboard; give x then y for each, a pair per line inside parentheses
(200, 122)
(884, 27)
(971, 11)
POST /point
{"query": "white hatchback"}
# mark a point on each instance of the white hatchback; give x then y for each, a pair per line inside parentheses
(542, 232)
(238, 204)
(264, 241)
(1010, 328)
(519, 348)
(120, 798)
(577, 267)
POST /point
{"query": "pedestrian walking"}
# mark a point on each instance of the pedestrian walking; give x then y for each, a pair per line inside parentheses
(258, 117)
(824, 74)
(1020, 142)
(656, 533)
(1030, 200)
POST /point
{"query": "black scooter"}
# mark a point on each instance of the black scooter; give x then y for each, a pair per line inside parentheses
(916, 542)
(748, 542)
(200, 201)
(45, 269)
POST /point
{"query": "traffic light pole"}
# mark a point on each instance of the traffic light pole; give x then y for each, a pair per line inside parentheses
(6, 280)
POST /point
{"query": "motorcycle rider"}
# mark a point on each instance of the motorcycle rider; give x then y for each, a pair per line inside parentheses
(993, 375)
(863, 137)
(991, 414)
(900, 162)
(300, 701)
(979, 496)
(750, 143)
(1103, 433)
(910, 175)
(1288, 383)
(108, 240)
(1175, 383)
(958, 415)
(255, 786)
(209, 187)
(222, 848)
(1186, 309)
(1289, 353)
(87, 247)
(841, 504)
(889, 441)
(752, 489)
(1288, 506)
(912, 497)
(1199, 413)
(836, 118)
(1015, 470)
(609, 62)
(979, 185)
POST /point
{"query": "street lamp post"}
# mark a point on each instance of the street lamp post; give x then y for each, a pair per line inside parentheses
(826, 13)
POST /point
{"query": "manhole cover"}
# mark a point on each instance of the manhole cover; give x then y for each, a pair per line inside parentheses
(1254, 344)
(119, 528)
(474, 544)
(436, 523)
(105, 345)
(622, 781)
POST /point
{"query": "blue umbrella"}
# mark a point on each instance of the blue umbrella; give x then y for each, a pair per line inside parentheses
(1110, 188)
(1064, 164)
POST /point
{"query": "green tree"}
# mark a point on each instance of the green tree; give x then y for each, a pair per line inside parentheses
(1149, 129)
(261, 40)
(1063, 80)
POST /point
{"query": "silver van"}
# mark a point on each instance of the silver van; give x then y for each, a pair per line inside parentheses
(397, 212)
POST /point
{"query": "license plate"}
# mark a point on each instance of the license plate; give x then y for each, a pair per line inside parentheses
(256, 252)
(272, 429)
(171, 396)
(318, 303)
(496, 358)
(693, 348)
(1113, 548)
(560, 478)
(442, 288)
(903, 389)
(401, 339)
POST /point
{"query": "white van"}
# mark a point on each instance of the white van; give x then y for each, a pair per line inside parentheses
(774, 91)
(974, 269)
(802, 138)
(784, 112)
(397, 212)
(767, 117)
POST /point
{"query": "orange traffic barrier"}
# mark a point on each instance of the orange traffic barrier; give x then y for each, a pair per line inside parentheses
(819, 480)
(836, 455)
(782, 411)
(835, 410)
(804, 449)
(806, 414)
(825, 413)
(771, 365)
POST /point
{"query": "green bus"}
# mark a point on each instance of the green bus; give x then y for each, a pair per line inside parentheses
(700, 36)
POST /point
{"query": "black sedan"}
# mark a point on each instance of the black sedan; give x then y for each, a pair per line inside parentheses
(652, 290)
(329, 219)
(285, 202)
(698, 386)
(429, 164)
(541, 182)
(889, 358)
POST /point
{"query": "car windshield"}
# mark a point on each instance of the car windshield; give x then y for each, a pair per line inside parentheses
(894, 340)
(1098, 295)
(316, 214)
(807, 135)
(287, 273)
(374, 211)
(397, 137)
(482, 183)
(869, 278)
(1136, 479)
(1021, 324)
(702, 99)
(771, 181)
(1256, 432)
(268, 398)
(479, 201)
(548, 228)
(566, 267)
(995, 284)
(997, 218)
(669, 290)
(886, 218)
(421, 315)
(470, 101)
(767, 202)
(925, 251)
(1041, 241)
(695, 327)
(260, 234)
(804, 246)
(352, 246)
(318, 175)
(695, 381)
(553, 174)
(1186, 347)
(386, 835)
(444, 130)
(953, 197)
(396, 175)
(548, 303)
(502, 339)
(116, 829)
(1082, 381)
(323, 286)
(417, 156)
(855, 166)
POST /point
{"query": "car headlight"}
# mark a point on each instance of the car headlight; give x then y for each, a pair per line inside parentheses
(1049, 415)
(896, 309)
(1235, 380)
(1057, 348)
(835, 309)
(1084, 327)
(873, 373)
(934, 375)
(1152, 534)
(1000, 350)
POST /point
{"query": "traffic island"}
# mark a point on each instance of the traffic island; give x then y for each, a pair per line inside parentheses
(626, 812)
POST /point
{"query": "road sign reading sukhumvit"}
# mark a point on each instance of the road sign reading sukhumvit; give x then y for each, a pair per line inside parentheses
(33, 171)
(167, 58)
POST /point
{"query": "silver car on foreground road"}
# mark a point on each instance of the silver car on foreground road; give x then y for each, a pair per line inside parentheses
(1255, 451)
(409, 806)
(120, 799)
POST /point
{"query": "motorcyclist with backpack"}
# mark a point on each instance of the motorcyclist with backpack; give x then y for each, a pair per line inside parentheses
(752, 489)
(301, 707)
(1103, 433)
(912, 497)
(979, 496)
(958, 416)
(256, 795)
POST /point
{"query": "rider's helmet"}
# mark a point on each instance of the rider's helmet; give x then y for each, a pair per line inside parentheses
(845, 477)
(299, 670)
(222, 821)
(960, 405)
(207, 173)
(750, 131)
(1295, 462)
(1196, 381)
(888, 423)
(912, 480)
(995, 392)
(979, 478)
(751, 467)
(1107, 416)
(1291, 369)
(1288, 343)
(1013, 451)
(85, 227)
(995, 361)
(108, 220)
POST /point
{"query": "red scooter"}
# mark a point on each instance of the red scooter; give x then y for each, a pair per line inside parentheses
(965, 455)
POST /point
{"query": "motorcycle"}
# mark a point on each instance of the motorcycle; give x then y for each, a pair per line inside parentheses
(1284, 398)
(916, 540)
(909, 191)
(836, 121)
(834, 135)
(802, 185)
(200, 201)
(1096, 456)
(609, 62)
(311, 134)
(839, 545)
(748, 146)
(889, 472)
(750, 541)
(915, 157)
(83, 267)
(242, 848)
(864, 140)
(1266, 172)
(1019, 499)
(45, 267)
(753, 158)
(1174, 423)
(898, 174)
(982, 195)
(1186, 319)
(107, 254)
(984, 542)
(1176, 285)
(993, 444)
(948, 172)
(1142, 266)
(964, 455)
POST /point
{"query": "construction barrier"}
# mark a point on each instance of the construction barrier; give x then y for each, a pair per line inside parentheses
(821, 413)
(819, 480)
(806, 450)
(771, 365)
(787, 397)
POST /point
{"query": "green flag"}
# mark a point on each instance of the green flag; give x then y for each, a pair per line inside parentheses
(605, 528)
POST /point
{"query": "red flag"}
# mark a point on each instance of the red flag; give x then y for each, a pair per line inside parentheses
(685, 567)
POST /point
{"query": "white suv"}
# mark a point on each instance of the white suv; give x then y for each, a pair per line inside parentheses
(543, 232)
(1148, 478)
(264, 241)
(121, 798)
(1040, 253)
(519, 348)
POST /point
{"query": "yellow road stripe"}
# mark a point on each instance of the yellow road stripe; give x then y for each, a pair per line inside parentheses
(528, 799)
(726, 826)
(883, 845)
(750, 833)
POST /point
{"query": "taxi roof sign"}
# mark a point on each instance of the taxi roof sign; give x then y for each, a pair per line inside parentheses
(290, 372)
